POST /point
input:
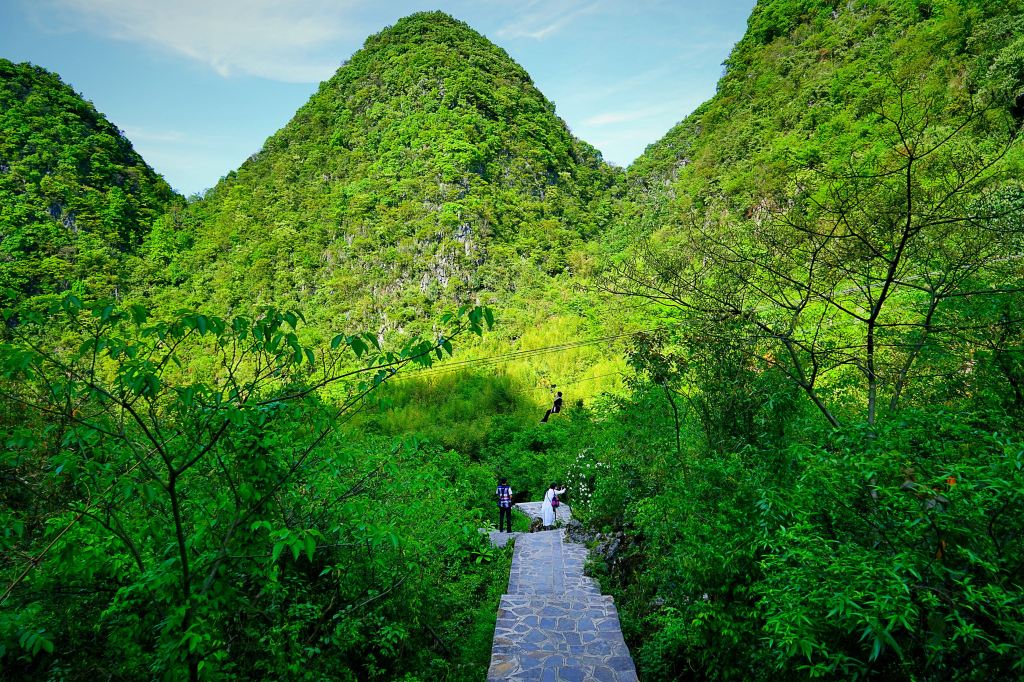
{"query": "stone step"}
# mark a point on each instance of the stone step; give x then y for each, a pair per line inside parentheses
(568, 586)
(580, 601)
(544, 564)
(576, 639)
(554, 625)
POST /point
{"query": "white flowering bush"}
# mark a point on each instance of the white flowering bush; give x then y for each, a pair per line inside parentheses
(583, 479)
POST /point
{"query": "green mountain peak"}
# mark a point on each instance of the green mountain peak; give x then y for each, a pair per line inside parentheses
(427, 170)
(74, 194)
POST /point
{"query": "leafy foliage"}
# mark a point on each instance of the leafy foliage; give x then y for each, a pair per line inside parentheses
(212, 519)
(835, 234)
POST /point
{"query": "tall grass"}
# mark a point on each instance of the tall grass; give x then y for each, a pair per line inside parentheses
(455, 406)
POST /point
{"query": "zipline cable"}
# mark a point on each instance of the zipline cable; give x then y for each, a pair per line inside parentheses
(493, 360)
(578, 381)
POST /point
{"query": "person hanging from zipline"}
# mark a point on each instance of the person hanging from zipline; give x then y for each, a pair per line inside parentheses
(556, 407)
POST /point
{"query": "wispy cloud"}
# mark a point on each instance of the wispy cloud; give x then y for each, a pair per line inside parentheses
(138, 134)
(670, 107)
(180, 165)
(623, 134)
(622, 147)
(540, 20)
(616, 117)
(180, 156)
(268, 38)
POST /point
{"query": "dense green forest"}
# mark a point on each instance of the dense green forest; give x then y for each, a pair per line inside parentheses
(255, 434)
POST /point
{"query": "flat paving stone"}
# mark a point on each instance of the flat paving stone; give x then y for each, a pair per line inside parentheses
(554, 623)
(499, 539)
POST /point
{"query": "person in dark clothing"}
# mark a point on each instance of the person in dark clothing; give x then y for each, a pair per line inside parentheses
(555, 408)
(504, 495)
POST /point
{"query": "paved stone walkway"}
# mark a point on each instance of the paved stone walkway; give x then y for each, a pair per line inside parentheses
(499, 539)
(533, 510)
(554, 625)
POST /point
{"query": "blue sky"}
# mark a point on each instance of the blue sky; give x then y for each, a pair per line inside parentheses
(198, 85)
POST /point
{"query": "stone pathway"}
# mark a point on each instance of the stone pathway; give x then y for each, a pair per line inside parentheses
(499, 539)
(554, 625)
(532, 509)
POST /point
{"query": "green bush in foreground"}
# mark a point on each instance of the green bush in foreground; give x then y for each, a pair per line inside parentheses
(892, 554)
(213, 520)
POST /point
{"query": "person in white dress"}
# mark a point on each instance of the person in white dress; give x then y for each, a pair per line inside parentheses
(546, 510)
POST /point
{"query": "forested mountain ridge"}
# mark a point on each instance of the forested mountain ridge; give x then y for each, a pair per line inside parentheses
(427, 170)
(806, 77)
(836, 239)
(860, 155)
(75, 197)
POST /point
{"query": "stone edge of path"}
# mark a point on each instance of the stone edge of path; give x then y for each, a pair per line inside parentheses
(500, 539)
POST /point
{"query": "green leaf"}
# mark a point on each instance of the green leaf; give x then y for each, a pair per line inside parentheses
(139, 313)
(357, 345)
(310, 546)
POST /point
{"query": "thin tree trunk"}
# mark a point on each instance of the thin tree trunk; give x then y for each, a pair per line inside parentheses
(186, 576)
(675, 414)
(901, 379)
(872, 377)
